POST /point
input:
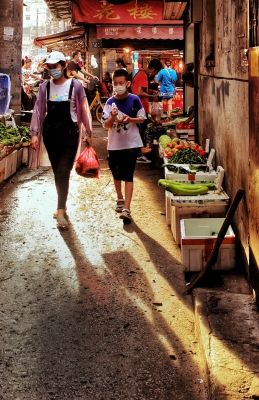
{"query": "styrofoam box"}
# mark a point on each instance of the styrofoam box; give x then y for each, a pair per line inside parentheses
(2, 170)
(10, 164)
(188, 212)
(198, 237)
(198, 177)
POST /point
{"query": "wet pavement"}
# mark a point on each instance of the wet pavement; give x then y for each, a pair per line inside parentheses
(98, 311)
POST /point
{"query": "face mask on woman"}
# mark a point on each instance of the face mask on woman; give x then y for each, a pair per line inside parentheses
(41, 69)
(120, 89)
(55, 73)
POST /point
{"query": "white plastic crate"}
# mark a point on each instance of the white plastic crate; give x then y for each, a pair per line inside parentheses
(198, 237)
(10, 164)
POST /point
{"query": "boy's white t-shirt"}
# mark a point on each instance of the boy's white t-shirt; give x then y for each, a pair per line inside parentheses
(124, 135)
(60, 93)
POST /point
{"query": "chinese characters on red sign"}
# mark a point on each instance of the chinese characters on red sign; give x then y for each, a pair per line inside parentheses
(92, 11)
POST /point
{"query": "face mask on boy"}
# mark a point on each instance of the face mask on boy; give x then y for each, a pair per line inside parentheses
(120, 89)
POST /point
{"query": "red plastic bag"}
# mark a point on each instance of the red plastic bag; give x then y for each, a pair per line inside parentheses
(87, 164)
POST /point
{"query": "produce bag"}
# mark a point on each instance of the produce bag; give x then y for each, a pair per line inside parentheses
(87, 164)
(156, 111)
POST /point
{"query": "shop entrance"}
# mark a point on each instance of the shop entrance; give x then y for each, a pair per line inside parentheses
(137, 54)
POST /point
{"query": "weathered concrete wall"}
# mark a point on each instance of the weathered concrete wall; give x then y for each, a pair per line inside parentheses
(11, 50)
(223, 118)
(223, 102)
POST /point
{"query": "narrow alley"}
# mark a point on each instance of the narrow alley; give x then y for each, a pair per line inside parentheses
(98, 311)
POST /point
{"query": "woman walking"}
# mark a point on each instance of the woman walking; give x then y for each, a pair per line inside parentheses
(60, 113)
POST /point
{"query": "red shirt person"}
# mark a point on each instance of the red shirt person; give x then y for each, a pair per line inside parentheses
(139, 86)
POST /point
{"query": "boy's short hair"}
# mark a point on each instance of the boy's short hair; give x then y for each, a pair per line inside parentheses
(75, 53)
(121, 72)
(156, 64)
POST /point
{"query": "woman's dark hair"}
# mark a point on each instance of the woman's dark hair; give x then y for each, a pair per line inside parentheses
(121, 72)
(120, 61)
(107, 73)
(28, 60)
(63, 64)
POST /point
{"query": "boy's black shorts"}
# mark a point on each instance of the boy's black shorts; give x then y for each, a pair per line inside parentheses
(122, 163)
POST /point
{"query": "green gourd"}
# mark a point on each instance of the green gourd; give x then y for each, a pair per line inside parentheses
(183, 189)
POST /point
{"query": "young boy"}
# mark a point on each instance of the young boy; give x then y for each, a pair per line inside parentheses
(121, 114)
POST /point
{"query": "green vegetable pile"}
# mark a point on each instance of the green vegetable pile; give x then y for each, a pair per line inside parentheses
(186, 156)
(10, 136)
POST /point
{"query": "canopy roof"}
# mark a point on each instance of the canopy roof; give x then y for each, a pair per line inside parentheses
(58, 37)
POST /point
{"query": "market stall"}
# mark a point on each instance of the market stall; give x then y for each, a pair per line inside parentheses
(193, 190)
(14, 143)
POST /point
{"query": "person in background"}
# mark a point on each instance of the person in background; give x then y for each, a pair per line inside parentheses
(27, 73)
(167, 78)
(28, 97)
(43, 72)
(106, 84)
(73, 68)
(139, 87)
(120, 64)
(189, 81)
(60, 113)
(121, 114)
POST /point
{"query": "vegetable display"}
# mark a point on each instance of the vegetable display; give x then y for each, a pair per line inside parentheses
(10, 136)
(187, 155)
(182, 126)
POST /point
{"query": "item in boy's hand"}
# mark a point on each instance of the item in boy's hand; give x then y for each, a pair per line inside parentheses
(87, 164)
(120, 116)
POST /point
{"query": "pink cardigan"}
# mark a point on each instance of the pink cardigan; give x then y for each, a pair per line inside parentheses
(83, 113)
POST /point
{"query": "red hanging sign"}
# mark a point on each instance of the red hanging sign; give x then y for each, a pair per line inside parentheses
(141, 12)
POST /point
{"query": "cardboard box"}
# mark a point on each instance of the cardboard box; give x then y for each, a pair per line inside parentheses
(10, 164)
(19, 157)
(2, 170)
(198, 237)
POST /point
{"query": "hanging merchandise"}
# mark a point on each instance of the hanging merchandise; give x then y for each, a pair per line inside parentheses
(94, 63)
(5, 89)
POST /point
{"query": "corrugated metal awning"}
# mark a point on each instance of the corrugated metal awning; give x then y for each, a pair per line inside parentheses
(58, 37)
(60, 9)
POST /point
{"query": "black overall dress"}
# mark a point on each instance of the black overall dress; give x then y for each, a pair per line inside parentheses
(60, 137)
